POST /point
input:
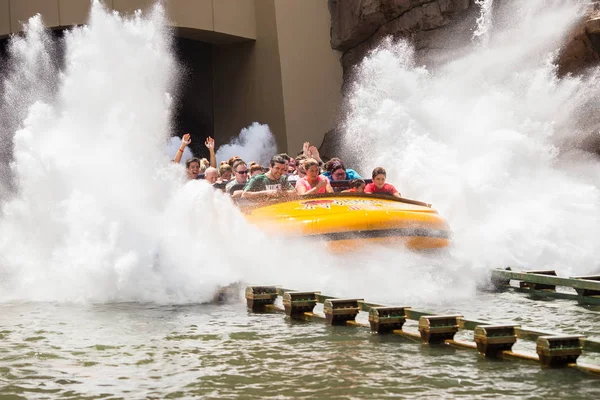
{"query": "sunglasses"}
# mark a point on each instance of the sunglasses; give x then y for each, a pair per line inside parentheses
(242, 172)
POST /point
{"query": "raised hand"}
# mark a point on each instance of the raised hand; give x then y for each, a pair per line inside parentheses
(314, 153)
(210, 143)
(305, 149)
(186, 140)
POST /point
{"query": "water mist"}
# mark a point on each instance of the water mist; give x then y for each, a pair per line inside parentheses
(491, 140)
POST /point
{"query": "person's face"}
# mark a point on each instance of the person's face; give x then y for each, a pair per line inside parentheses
(312, 172)
(193, 170)
(361, 188)
(300, 169)
(211, 177)
(339, 174)
(379, 180)
(291, 166)
(226, 176)
(277, 170)
(241, 173)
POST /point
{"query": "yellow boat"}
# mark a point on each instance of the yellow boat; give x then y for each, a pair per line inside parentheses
(348, 220)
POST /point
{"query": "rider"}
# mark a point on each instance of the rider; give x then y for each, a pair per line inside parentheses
(273, 183)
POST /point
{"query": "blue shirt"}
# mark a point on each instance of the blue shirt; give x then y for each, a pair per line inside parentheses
(350, 174)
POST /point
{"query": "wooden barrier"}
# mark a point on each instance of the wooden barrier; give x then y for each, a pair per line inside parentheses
(543, 284)
(491, 340)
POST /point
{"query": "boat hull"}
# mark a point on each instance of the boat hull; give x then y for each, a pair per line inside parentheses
(346, 221)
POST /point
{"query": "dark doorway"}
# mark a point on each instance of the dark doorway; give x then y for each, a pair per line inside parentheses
(194, 111)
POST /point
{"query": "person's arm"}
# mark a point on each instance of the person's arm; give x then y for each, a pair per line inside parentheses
(300, 188)
(237, 194)
(369, 189)
(316, 188)
(305, 149)
(185, 140)
(329, 188)
(210, 145)
(264, 194)
(396, 194)
(314, 153)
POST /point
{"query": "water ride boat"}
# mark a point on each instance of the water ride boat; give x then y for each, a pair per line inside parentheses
(348, 220)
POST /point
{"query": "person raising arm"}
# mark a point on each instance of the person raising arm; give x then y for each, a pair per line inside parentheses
(271, 184)
(210, 145)
(185, 141)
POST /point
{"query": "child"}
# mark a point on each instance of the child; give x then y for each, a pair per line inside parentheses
(356, 186)
(379, 185)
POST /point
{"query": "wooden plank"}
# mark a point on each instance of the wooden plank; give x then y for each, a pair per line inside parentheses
(500, 274)
(560, 295)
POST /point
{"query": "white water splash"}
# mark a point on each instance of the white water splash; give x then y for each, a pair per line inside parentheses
(491, 139)
(254, 143)
(484, 21)
(100, 214)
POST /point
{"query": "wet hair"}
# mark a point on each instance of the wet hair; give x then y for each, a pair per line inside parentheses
(237, 163)
(309, 162)
(192, 160)
(256, 167)
(333, 165)
(233, 159)
(379, 171)
(223, 168)
(204, 163)
(278, 159)
(284, 156)
(300, 158)
(356, 183)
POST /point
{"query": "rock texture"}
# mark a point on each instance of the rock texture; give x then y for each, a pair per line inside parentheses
(359, 25)
(435, 26)
(582, 47)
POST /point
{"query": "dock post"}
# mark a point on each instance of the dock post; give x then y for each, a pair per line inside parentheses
(297, 303)
(257, 297)
(340, 311)
(558, 351)
(492, 340)
(435, 329)
(387, 319)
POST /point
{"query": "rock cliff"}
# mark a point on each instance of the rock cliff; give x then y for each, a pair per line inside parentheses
(434, 26)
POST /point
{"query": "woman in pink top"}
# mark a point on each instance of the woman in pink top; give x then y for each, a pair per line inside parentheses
(379, 185)
(312, 183)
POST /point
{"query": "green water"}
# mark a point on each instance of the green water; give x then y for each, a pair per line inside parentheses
(139, 351)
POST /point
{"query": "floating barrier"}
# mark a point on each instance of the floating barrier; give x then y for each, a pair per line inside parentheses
(543, 284)
(554, 350)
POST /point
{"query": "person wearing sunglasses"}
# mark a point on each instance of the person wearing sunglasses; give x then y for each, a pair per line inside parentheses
(240, 177)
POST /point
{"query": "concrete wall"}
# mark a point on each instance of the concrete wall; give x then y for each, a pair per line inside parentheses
(229, 17)
(247, 79)
(311, 71)
(272, 61)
